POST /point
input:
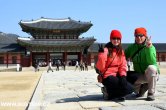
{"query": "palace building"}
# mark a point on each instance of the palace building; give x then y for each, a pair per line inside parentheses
(55, 40)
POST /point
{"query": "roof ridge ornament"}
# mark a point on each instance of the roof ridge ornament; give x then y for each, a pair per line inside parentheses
(45, 19)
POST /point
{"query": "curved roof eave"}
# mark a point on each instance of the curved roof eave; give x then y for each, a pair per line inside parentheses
(84, 42)
(55, 24)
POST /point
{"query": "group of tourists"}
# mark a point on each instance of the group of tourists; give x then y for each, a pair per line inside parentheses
(58, 64)
(82, 66)
(118, 80)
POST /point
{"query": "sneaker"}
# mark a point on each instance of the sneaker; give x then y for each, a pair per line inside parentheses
(150, 97)
(133, 95)
(122, 99)
(143, 89)
(105, 94)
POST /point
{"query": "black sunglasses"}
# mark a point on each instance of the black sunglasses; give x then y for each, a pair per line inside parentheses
(139, 35)
(116, 38)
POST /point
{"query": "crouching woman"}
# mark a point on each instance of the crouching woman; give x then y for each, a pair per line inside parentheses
(112, 67)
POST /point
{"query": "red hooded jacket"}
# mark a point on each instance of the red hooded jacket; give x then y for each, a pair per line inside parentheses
(118, 65)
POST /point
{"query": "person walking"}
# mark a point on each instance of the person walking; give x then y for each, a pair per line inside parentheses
(64, 65)
(76, 65)
(143, 55)
(86, 66)
(50, 67)
(57, 65)
(36, 66)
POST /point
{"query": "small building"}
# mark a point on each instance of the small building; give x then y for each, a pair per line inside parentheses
(10, 51)
(55, 40)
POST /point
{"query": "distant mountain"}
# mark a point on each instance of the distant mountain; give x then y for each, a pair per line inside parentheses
(3, 34)
(8, 43)
(8, 38)
(12, 35)
(9, 34)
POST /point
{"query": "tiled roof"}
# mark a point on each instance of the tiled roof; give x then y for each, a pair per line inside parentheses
(57, 42)
(5, 39)
(160, 47)
(53, 24)
(9, 44)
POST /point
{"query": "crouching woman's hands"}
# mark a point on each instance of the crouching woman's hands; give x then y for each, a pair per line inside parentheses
(123, 81)
(100, 78)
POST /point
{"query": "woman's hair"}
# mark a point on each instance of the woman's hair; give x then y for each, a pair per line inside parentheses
(110, 47)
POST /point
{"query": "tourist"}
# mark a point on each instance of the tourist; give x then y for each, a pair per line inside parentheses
(76, 65)
(112, 67)
(64, 66)
(86, 66)
(50, 67)
(57, 65)
(143, 55)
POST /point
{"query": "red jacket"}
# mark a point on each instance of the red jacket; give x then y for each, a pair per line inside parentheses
(119, 64)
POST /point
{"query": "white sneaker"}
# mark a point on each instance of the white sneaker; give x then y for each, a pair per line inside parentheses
(150, 97)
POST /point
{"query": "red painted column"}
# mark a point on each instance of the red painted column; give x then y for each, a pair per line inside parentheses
(47, 57)
(80, 56)
(65, 57)
(89, 59)
(158, 54)
(7, 59)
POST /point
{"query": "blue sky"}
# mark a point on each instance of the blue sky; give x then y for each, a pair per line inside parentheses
(105, 15)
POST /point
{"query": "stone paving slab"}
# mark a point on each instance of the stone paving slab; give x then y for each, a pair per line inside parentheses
(88, 90)
(60, 95)
(140, 107)
(163, 98)
(91, 97)
(140, 101)
(64, 106)
(161, 106)
(53, 88)
(98, 104)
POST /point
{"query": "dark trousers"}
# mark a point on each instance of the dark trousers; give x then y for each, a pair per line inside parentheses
(116, 88)
(132, 76)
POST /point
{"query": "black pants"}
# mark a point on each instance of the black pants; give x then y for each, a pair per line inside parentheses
(115, 88)
(132, 76)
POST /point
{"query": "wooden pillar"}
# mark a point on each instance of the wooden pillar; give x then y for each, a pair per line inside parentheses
(80, 56)
(30, 58)
(158, 54)
(158, 57)
(7, 59)
(89, 59)
(48, 57)
(65, 57)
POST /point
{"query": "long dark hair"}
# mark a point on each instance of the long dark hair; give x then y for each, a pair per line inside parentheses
(110, 47)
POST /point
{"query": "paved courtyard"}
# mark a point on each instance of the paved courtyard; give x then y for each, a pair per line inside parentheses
(75, 90)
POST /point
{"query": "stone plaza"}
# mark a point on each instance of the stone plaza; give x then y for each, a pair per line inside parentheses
(79, 90)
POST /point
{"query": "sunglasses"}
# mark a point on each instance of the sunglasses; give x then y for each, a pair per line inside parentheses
(115, 38)
(139, 35)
